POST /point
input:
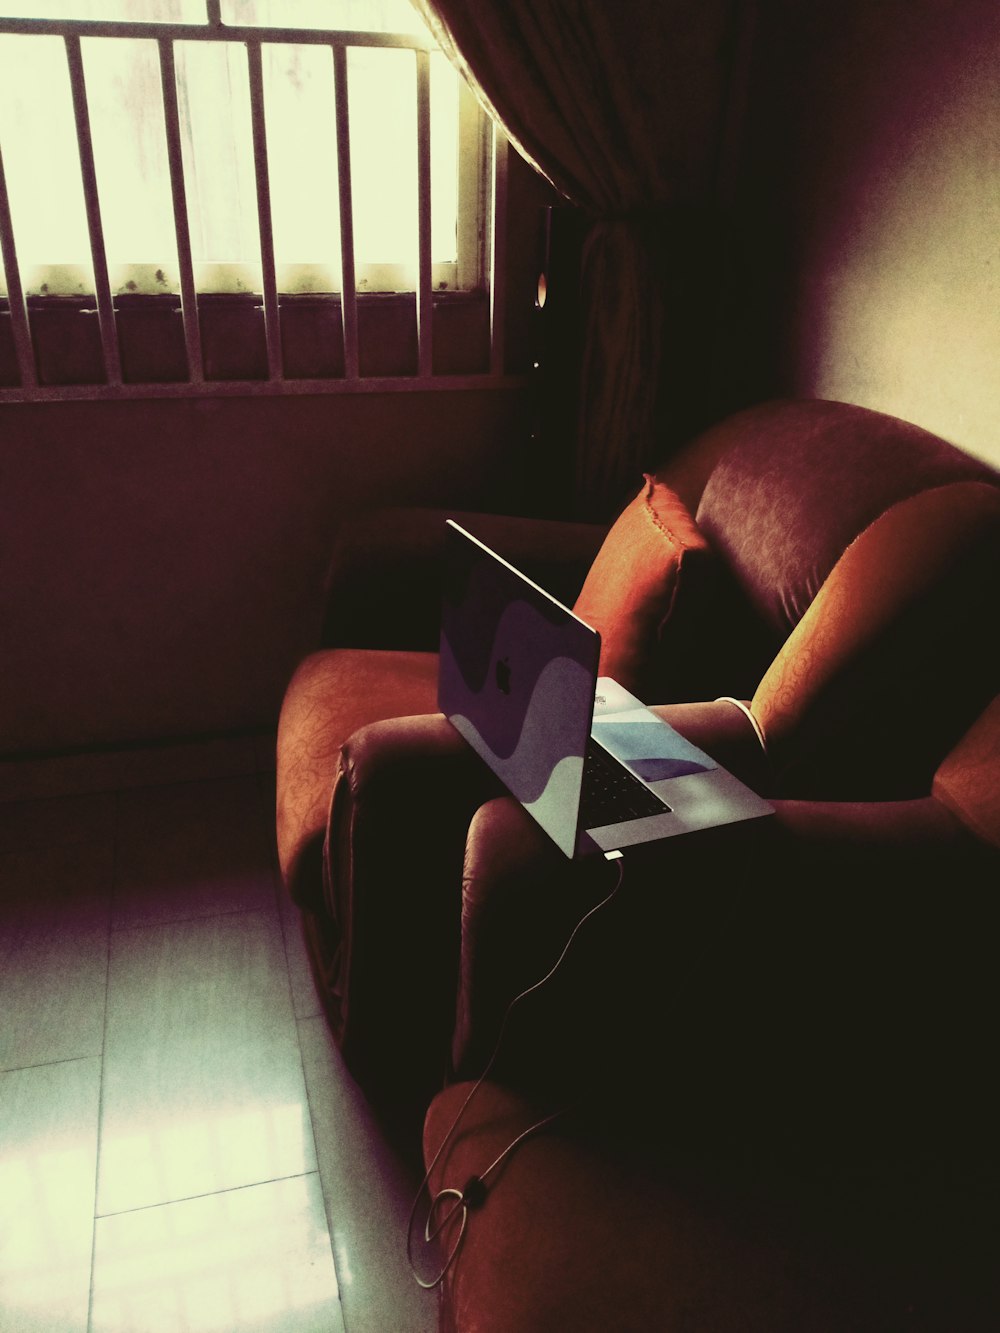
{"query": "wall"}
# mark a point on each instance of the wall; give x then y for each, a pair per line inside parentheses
(162, 563)
(866, 256)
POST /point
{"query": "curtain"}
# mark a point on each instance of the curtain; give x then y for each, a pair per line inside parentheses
(621, 108)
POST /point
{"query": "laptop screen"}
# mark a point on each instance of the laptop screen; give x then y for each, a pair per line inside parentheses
(517, 678)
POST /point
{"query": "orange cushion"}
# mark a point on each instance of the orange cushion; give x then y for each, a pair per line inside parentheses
(630, 591)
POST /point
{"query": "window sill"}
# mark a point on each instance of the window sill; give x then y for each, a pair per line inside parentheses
(66, 336)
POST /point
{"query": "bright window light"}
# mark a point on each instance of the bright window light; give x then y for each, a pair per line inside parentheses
(124, 98)
(350, 15)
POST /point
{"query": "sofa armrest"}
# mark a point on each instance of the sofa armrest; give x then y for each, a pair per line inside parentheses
(403, 796)
(870, 833)
(515, 875)
(807, 953)
(383, 586)
(521, 902)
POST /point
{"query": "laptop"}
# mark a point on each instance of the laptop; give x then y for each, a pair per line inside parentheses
(595, 768)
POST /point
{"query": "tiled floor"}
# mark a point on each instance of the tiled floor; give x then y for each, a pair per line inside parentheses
(180, 1146)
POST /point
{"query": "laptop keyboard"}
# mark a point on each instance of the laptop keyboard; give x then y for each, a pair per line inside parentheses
(611, 794)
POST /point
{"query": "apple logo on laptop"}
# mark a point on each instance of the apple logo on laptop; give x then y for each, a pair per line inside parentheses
(503, 675)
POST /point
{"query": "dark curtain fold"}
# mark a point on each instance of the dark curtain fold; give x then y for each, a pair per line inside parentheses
(620, 107)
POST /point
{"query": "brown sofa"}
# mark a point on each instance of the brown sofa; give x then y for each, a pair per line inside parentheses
(801, 1000)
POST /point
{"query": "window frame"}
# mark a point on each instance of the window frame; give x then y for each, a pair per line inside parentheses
(478, 269)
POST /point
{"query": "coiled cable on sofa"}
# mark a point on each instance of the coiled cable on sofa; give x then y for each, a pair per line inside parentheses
(473, 1194)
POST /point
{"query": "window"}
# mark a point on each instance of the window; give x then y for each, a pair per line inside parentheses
(179, 151)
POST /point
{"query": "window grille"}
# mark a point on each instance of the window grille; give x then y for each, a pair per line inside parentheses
(74, 43)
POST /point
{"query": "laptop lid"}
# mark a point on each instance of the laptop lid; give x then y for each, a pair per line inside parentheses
(517, 678)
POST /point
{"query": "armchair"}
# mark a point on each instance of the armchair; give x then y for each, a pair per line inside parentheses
(810, 572)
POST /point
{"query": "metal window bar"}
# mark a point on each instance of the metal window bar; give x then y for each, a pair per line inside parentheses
(182, 231)
(272, 323)
(498, 247)
(167, 36)
(102, 286)
(348, 288)
(15, 292)
(425, 312)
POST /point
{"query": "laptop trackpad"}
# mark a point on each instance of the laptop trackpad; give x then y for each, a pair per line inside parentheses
(648, 746)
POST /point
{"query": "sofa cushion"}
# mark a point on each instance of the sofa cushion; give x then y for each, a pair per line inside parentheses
(796, 482)
(634, 583)
(894, 658)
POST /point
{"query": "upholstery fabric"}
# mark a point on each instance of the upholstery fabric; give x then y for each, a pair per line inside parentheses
(895, 656)
(630, 590)
(576, 1234)
(331, 694)
(571, 1236)
(766, 508)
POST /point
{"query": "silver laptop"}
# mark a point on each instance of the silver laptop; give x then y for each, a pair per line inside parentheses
(596, 769)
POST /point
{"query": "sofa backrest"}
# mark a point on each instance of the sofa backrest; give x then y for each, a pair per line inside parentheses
(896, 655)
(857, 564)
(796, 482)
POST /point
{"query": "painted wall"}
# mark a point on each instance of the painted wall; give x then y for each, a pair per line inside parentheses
(866, 254)
(162, 563)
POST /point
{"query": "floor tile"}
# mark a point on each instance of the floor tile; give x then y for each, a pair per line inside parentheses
(48, 1158)
(369, 1193)
(54, 915)
(257, 1259)
(192, 850)
(211, 1205)
(45, 823)
(203, 1085)
(305, 1000)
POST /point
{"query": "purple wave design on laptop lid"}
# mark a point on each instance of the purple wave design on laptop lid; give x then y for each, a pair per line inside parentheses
(516, 679)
